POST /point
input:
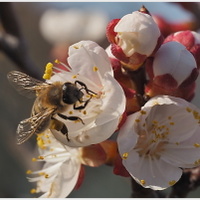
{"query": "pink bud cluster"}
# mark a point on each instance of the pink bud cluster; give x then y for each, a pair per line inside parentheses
(171, 64)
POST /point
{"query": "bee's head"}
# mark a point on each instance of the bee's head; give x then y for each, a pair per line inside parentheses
(71, 94)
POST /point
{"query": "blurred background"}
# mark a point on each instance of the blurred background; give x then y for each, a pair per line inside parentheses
(44, 31)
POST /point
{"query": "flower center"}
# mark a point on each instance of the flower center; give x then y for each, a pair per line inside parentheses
(152, 140)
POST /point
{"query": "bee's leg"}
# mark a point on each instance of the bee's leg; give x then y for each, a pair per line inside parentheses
(72, 118)
(84, 86)
(83, 106)
(64, 131)
(59, 126)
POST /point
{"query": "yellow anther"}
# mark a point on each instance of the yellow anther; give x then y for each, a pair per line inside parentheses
(172, 182)
(34, 159)
(137, 120)
(57, 61)
(84, 112)
(197, 162)
(143, 182)
(155, 122)
(171, 123)
(33, 191)
(196, 145)
(70, 112)
(196, 114)
(95, 68)
(188, 109)
(169, 118)
(46, 176)
(74, 76)
(41, 173)
(41, 144)
(41, 157)
(143, 112)
(75, 47)
(29, 172)
(125, 155)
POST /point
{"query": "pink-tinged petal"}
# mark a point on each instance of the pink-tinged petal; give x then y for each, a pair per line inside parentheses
(93, 155)
(152, 173)
(179, 62)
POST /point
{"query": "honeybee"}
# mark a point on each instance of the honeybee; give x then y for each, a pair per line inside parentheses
(51, 99)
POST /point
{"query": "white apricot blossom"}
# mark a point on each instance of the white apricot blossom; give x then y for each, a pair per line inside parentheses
(90, 68)
(60, 172)
(159, 140)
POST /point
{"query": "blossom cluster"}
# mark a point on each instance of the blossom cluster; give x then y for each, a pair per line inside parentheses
(140, 88)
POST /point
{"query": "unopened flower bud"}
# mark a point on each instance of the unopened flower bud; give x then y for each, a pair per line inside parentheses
(172, 71)
(190, 39)
(134, 38)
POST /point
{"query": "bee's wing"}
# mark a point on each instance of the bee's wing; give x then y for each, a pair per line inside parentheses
(28, 127)
(25, 84)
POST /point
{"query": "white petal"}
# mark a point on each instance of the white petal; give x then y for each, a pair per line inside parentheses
(144, 32)
(127, 136)
(154, 174)
(63, 183)
(86, 55)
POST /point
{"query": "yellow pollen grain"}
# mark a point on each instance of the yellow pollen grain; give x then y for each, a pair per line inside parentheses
(95, 68)
(57, 61)
(70, 112)
(76, 47)
(196, 145)
(125, 155)
(41, 173)
(33, 191)
(196, 114)
(171, 123)
(137, 120)
(29, 172)
(172, 182)
(41, 157)
(154, 122)
(197, 162)
(143, 112)
(46, 176)
(74, 76)
(41, 144)
(84, 112)
(34, 159)
(143, 182)
(188, 109)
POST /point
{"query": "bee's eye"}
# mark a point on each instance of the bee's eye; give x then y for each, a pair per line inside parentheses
(71, 94)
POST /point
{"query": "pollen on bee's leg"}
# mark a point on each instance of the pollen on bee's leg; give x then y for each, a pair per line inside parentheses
(48, 71)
